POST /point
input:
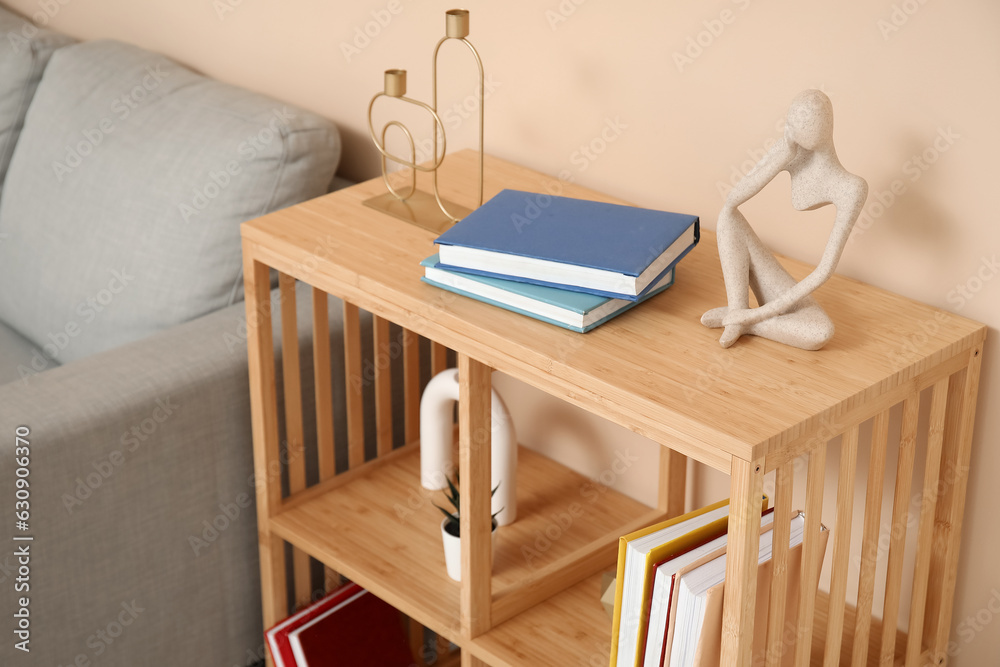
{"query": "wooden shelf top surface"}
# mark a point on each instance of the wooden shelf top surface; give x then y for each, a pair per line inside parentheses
(654, 369)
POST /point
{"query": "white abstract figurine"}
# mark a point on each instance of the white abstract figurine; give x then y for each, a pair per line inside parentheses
(786, 312)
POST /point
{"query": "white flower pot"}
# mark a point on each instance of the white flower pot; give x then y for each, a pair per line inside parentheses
(453, 550)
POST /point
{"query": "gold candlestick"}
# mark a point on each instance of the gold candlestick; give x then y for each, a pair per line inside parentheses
(415, 206)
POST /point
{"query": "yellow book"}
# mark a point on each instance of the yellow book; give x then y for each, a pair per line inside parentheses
(638, 552)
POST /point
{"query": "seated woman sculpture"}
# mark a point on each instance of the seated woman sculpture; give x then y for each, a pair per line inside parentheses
(786, 312)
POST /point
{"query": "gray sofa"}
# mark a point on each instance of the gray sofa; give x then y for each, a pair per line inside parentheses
(123, 180)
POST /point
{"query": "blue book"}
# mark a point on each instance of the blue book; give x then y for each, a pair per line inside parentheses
(577, 311)
(572, 244)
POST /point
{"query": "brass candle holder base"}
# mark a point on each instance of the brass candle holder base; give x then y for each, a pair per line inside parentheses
(420, 209)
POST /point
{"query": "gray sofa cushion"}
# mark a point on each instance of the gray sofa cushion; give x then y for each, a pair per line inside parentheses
(126, 190)
(19, 359)
(24, 52)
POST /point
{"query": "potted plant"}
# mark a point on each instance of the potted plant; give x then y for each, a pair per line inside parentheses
(451, 530)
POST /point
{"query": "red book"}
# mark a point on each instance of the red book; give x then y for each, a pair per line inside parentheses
(349, 626)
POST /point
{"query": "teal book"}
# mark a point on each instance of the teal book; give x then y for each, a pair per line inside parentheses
(577, 311)
(573, 244)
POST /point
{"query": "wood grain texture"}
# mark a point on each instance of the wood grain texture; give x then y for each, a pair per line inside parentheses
(324, 387)
(474, 404)
(354, 386)
(957, 454)
(812, 553)
(925, 534)
(264, 424)
(783, 484)
(753, 407)
(897, 531)
(869, 540)
(746, 487)
(672, 486)
(295, 440)
(768, 394)
(411, 385)
(841, 546)
(439, 358)
(383, 386)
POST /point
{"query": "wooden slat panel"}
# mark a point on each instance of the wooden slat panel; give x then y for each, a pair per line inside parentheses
(897, 534)
(474, 380)
(324, 404)
(869, 541)
(812, 554)
(783, 483)
(324, 387)
(942, 527)
(292, 384)
(928, 505)
(411, 385)
(841, 546)
(354, 386)
(672, 488)
(383, 386)
(746, 486)
(264, 422)
(439, 358)
(956, 457)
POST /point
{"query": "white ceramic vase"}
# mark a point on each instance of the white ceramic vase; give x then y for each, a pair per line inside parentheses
(453, 550)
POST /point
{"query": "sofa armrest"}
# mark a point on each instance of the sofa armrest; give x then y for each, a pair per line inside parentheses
(141, 506)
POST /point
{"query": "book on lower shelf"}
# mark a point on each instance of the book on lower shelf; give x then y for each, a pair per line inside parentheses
(669, 603)
(577, 311)
(348, 627)
(606, 249)
(637, 553)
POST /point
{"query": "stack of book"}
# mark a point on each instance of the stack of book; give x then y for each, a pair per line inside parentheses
(569, 262)
(348, 627)
(670, 584)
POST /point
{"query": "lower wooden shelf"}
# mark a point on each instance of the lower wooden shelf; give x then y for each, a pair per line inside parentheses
(379, 528)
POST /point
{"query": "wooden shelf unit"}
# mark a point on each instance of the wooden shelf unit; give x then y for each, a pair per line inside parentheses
(745, 411)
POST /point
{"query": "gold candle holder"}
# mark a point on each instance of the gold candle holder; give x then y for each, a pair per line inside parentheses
(415, 206)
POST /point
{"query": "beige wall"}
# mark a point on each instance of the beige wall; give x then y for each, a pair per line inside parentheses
(907, 78)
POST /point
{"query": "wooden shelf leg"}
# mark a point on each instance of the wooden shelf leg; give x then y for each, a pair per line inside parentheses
(961, 412)
(264, 423)
(474, 380)
(746, 487)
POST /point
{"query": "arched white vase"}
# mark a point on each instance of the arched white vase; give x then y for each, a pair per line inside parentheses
(436, 435)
